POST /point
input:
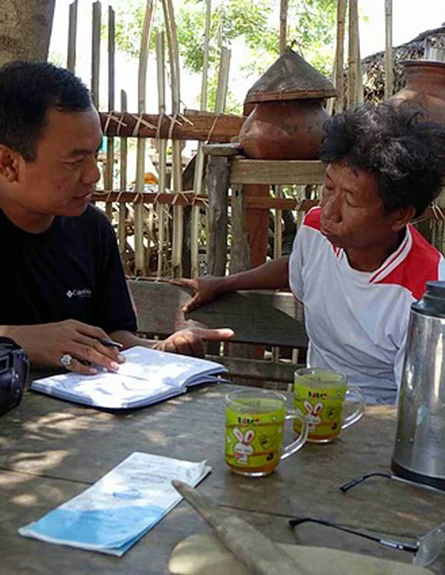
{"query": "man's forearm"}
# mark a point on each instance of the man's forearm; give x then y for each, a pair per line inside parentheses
(129, 339)
(273, 274)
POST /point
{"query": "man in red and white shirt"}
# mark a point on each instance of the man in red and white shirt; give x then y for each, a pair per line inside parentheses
(357, 320)
(357, 264)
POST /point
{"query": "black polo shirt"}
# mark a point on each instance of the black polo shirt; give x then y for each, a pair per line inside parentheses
(71, 271)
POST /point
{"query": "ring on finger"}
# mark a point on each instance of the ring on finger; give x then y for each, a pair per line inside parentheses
(66, 360)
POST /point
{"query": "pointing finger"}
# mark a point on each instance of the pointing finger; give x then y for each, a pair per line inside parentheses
(221, 334)
(192, 304)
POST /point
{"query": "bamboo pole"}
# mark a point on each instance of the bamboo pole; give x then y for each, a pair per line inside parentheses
(178, 227)
(223, 80)
(284, 6)
(109, 173)
(139, 247)
(122, 223)
(258, 553)
(278, 228)
(197, 187)
(162, 149)
(355, 86)
(278, 235)
(389, 71)
(95, 58)
(72, 35)
(199, 165)
(339, 64)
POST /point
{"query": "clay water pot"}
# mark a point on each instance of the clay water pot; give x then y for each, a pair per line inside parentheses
(286, 130)
(425, 88)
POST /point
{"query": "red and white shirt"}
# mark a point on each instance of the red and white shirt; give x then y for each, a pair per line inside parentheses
(357, 322)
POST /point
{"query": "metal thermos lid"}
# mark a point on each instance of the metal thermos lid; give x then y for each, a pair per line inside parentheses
(433, 300)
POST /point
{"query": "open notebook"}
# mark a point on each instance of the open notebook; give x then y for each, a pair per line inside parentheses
(147, 376)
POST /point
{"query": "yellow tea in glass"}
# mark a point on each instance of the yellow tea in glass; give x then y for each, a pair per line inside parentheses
(319, 395)
(254, 431)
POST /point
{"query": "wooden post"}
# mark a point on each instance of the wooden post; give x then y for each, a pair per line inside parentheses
(122, 223)
(257, 224)
(284, 6)
(217, 184)
(178, 224)
(223, 80)
(139, 247)
(199, 161)
(95, 59)
(389, 71)
(72, 35)
(278, 229)
(197, 186)
(109, 173)
(339, 66)
(355, 82)
(162, 149)
(240, 251)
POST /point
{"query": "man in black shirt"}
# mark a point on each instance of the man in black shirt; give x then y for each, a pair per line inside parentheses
(63, 286)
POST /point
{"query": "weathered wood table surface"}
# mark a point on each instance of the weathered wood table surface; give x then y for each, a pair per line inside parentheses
(51, 450)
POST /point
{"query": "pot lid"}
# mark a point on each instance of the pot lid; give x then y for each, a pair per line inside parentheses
(290, 78)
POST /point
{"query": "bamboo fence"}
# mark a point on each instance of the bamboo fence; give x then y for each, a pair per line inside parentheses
(161, 230)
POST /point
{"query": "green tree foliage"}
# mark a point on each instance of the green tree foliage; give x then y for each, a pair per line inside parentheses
(311, 25)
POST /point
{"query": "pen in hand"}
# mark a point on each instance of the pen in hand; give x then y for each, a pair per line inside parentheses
(109, 342)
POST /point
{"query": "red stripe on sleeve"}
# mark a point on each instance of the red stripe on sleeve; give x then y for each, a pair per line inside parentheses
(420, 265)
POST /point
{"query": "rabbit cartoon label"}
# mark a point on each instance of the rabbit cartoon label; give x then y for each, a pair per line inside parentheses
(312, 412)
(324, 414)
(243, 448)
(254, 444)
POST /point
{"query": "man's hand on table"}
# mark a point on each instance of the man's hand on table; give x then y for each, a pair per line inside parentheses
(192, 341)
(76, 342)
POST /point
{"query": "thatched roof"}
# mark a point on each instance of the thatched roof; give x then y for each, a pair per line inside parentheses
(290, 78)
(374, 66)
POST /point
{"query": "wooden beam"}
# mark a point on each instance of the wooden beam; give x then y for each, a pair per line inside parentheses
(276, 172)
(232, 149)
(192, 125)
(279, 204)
(258, 369)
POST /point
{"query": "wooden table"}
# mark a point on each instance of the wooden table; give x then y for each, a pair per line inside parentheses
(51, 450)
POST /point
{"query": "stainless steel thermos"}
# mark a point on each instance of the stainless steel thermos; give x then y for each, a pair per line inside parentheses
(419, 453)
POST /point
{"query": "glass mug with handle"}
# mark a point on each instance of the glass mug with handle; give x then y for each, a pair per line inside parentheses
(254, 431)
(319, 395)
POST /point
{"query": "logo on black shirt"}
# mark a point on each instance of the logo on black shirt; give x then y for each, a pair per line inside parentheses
(78, 293)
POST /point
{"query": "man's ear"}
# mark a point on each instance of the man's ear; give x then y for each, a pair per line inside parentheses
(9, 164)
(402, 217)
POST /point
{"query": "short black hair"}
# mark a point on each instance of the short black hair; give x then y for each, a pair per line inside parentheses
(27, 91)
(394, 142)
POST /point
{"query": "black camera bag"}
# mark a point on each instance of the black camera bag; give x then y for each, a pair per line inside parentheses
(14, 370)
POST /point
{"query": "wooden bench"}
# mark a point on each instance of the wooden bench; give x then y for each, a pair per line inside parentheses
(265, 318)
